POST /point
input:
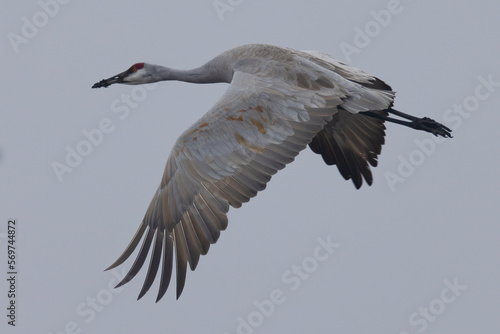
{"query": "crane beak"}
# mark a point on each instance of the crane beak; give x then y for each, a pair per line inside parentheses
(119, 78)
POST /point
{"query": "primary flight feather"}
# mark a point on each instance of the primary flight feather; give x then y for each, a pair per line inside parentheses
(279, 101)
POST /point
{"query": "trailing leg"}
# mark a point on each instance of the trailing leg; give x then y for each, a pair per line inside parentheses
(425, 124)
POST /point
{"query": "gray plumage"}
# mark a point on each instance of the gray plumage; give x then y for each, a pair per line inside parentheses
(279, 101)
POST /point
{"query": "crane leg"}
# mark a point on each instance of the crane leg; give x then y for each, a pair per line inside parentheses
(425, 123)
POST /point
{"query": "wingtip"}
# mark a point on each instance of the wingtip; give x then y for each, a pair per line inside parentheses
(141, 294)
(110, 267)
(180, 287)
(160, 295)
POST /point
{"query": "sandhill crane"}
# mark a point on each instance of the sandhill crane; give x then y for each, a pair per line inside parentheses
(279, 101)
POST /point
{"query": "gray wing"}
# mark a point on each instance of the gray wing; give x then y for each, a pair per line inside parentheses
(258, 126)
(351, 141)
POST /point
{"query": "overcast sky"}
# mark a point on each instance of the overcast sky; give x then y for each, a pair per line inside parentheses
(416, 252)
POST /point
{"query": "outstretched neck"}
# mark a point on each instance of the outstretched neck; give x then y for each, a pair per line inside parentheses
(208, 73)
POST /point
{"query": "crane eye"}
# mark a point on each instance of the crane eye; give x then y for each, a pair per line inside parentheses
(134, 69)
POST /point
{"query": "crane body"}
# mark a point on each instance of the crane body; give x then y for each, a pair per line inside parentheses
(279, 101)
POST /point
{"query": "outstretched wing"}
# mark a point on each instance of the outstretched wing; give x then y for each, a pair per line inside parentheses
(258, 126)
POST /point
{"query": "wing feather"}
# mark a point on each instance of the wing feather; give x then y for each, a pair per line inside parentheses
(351, 141)
(154, 262)
(181, 258)
(141, 257)
(166, 267)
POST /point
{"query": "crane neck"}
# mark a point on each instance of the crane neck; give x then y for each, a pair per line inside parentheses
(211, 72)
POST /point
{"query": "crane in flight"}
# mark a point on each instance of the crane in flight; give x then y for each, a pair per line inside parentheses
(278, 102)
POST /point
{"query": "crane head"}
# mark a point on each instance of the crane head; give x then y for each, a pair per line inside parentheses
(135, 75)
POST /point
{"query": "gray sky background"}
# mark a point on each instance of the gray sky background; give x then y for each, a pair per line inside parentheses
(401, 245)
